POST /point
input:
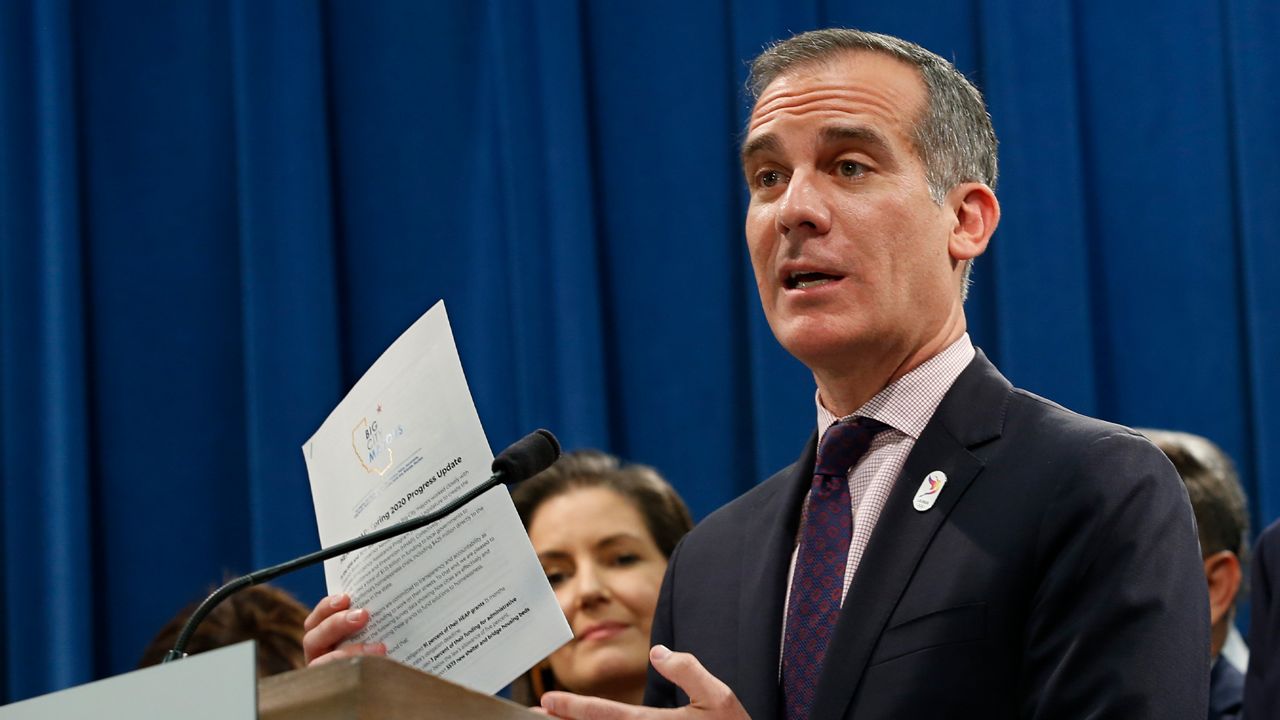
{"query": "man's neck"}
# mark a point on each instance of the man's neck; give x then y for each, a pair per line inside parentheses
(845, 387)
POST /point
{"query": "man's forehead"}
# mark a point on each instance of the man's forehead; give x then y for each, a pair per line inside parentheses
(856, 91)
(866, 72)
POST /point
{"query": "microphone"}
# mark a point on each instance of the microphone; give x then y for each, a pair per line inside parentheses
(525, 458)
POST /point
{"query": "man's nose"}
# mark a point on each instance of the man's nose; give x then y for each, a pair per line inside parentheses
(803, 206)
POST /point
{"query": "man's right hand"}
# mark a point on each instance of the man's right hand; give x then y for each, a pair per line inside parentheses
(709, 698)
(329, 625)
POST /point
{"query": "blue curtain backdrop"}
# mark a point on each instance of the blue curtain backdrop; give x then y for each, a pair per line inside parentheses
(215, 214)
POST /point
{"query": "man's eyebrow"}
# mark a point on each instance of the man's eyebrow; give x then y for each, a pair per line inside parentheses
(859, 134)
(767, 142)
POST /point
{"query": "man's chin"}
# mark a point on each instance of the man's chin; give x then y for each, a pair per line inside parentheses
(816, 345)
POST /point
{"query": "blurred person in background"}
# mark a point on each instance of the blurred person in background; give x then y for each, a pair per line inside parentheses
(263, 613)
(1222, 521)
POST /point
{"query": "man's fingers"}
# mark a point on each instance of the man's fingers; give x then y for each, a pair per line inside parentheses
(325, 608)
(704, 689)
(708, 697)
(580, 707)
(351, 650)
(332, 631)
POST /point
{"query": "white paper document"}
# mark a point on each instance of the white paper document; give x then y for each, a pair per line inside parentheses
(466, 598)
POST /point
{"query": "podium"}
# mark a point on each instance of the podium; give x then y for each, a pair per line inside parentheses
(375, 688)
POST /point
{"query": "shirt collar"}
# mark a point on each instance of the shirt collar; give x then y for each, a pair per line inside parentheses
(907, 404)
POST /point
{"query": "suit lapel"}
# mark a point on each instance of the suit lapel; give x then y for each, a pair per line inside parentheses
(766, 557)
(971, 413)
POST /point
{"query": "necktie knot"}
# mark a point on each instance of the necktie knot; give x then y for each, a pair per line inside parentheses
(843, 444)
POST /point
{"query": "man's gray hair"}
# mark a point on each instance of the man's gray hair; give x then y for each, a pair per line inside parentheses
(954, 136)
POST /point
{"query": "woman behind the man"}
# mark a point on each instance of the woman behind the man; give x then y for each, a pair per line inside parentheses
(603, 532)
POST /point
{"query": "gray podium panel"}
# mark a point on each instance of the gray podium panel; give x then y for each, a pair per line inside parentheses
(216, 685)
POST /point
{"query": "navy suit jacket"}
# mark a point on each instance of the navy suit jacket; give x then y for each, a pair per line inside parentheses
(1226, 691)
(1058, 575)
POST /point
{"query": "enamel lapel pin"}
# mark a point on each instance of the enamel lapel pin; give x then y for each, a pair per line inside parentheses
(929, 490)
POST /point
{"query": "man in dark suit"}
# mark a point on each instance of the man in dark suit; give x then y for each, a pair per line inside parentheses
(946, 546)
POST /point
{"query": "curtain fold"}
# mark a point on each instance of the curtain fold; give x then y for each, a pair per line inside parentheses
(287, 255)
(214, 216)
(1164, 230)
(1252, 26)
(166, 343)
(539, 101)
(49, 564)
(1039, 268)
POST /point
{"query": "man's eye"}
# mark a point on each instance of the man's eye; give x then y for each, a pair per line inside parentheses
(851, 169)
(555, 578)
(768, 178)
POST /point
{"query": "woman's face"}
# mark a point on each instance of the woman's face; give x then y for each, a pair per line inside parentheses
(606, 570)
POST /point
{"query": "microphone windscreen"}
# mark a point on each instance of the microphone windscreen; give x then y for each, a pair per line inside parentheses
(527, 456)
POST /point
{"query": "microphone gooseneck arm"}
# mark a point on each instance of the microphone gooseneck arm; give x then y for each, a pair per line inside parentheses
(528, 456)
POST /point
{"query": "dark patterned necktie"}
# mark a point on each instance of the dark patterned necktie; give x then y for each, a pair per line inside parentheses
(818, 580)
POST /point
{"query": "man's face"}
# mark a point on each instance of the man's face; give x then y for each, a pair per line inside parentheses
(850, 251)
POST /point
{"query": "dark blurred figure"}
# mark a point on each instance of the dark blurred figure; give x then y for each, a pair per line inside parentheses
(267, 614)
(1262, 689)
(1222, 520)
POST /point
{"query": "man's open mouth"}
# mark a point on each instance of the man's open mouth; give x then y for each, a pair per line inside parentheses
(806, 280)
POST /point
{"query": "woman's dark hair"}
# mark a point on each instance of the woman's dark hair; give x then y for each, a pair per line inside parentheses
(665, 516)
(267, 614)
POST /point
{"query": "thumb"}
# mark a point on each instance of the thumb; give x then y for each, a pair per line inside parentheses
(704, 689)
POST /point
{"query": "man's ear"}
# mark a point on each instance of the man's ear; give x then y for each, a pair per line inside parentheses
(976, 212)
(1223, 573)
